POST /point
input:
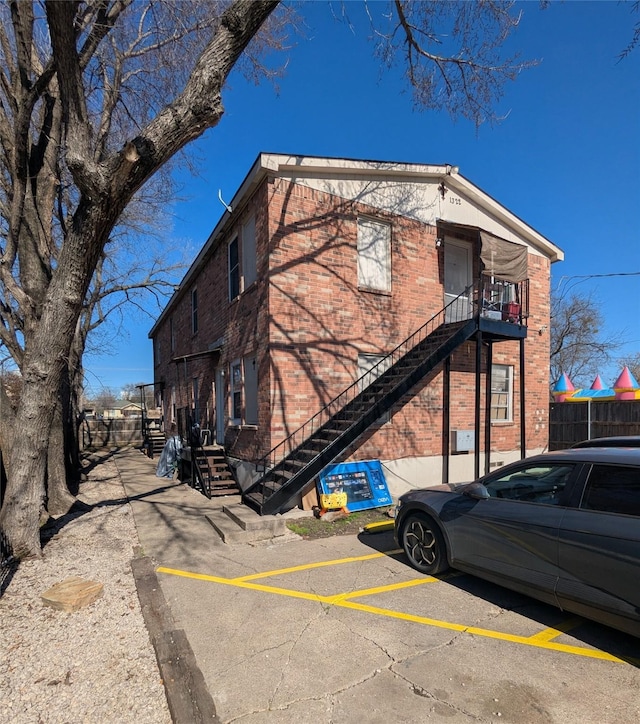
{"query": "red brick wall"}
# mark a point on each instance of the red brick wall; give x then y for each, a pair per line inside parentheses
(320, 321)
(306, 321)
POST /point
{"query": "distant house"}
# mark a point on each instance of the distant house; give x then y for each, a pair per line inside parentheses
(120, 409)
(353, 310)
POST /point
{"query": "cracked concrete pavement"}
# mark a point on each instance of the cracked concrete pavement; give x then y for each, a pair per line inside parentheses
(342, 630)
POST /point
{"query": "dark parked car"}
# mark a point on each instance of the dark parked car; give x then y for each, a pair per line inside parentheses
(616, 441)
(562, 527)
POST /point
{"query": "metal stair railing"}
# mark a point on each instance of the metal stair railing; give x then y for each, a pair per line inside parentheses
(205, 477)
(460, 309)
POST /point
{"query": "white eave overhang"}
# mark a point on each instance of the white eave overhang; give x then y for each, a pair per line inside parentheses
(465, 188)
(292, 166)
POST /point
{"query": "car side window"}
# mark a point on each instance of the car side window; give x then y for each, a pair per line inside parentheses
(613, 489)
(534, 484)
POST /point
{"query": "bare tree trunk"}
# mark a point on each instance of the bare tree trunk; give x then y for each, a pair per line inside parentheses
(42, 372)
(59, 498)
(7, 426)
(104, 184)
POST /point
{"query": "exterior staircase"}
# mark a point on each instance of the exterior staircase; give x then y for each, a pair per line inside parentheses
(154, 442)
(298, 459)
(211, 473)
(282, 482)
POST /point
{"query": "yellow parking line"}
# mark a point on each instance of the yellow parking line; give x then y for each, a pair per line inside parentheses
(309, 566)
(341, 600)
(549, 634)
(245, 584)
(384, 589)
(487, 633)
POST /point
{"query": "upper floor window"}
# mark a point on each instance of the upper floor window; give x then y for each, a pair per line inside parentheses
(194, 311)
(249, 268)
(233, 262)
(501, 393)
(172, 335)
(374, 255)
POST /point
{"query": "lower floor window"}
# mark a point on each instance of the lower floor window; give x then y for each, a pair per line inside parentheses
(370, 367)
(501, 393)
(244, 392)
(236, 393)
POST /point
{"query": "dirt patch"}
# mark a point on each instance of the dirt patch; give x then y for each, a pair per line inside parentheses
(326, 526)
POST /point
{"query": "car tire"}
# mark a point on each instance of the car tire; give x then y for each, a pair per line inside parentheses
(424, 545)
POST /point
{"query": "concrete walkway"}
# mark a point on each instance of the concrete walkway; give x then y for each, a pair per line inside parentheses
(177, 529)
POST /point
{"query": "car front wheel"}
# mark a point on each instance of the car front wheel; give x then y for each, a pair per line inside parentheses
(424, 545)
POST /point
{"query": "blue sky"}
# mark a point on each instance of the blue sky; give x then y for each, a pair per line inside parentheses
(566, 158)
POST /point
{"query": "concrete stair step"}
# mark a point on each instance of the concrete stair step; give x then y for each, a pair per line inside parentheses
(236, 523)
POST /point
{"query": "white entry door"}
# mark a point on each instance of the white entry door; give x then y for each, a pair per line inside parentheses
(458, 273)
(220, 406)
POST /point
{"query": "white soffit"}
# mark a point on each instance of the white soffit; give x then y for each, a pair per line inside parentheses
(412, 190)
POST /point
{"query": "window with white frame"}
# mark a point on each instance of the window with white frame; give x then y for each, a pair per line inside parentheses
(233, 264)
(501, 393)
(374, 255)
(236, 392)
(249, 268)
(370, 367)
(194, 311)
(250, 391)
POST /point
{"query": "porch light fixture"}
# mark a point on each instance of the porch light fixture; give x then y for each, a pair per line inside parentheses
(438, 243)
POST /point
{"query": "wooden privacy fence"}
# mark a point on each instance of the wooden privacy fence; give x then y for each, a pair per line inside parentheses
(110, 433)
(570, 422)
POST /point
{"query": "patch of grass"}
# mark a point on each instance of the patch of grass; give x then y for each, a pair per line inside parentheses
(311, 527)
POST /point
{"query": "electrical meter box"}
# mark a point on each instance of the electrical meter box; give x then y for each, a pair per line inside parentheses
(463, 440)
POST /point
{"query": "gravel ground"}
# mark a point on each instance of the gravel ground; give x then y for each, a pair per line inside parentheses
(96, 665)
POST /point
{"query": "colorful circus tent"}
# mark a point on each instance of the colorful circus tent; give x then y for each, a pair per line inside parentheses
(626, 387)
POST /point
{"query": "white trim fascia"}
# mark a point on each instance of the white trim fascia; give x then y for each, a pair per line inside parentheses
(471, 191)
(287, 165)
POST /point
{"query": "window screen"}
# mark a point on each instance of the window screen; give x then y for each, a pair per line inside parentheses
(501, 393)
(374, 255)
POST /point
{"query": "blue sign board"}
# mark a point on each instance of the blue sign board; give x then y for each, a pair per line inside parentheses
(363, 482)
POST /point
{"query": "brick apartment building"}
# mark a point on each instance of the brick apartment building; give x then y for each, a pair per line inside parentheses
(320, 269)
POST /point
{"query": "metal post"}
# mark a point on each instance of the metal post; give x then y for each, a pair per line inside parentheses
(476, 466)
(523, 426)
(446, 420)
(487, 410)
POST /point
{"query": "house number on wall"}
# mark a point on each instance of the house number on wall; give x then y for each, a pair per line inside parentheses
(455, 200)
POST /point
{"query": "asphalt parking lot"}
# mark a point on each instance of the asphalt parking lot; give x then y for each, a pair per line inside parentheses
(343, 630)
